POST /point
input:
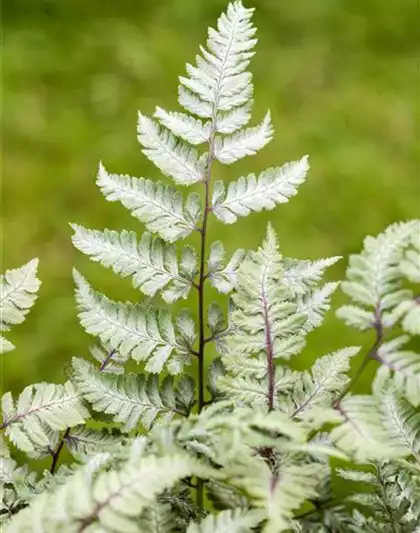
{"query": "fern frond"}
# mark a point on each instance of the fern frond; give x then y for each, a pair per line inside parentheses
(146, 334)
(373, 276)
(40, 409)
(315, 304)
(263, 312)
(229, 521)
(410, 263)
(401, 422)
(411, 320)
(170, 155)
(277, 494)
(233, 120)
(157, 518)
(18, 292)
(251, 194)
(181, 125)
(82, 441)
(159, 206)
(246, 142)
(218, 82)
(303, 275)
(362, 434)
(113, 500)
(131, 398)
(402, 368)
(223, 278)
(152, 263)
(326, 378)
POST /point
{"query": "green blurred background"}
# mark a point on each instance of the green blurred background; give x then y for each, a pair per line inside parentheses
(340, 78)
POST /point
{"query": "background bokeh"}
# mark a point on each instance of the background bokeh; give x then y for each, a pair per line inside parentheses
(340, 78)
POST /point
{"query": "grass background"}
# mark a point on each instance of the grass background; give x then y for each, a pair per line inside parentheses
(340, 78)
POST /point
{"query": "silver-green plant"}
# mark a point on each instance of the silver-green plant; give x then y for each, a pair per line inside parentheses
(251, 444)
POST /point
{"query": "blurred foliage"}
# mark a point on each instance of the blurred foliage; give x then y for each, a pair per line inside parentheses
(340, 77)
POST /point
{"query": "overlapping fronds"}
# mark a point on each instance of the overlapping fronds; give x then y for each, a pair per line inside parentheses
(18, 292)
(112, 500)
(389, 505)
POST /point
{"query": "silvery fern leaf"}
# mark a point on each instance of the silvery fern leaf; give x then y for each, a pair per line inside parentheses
(303, 275)
(246, 142)
(277, 494)
(131, 398)
(151, 263)
(326, 378)
(82, 441)
(223, 278)
(401, 368)
(315, 304)
(181, 125)
(232, 121)
(245, 390)
(294, 485)
(229, 521)
(401, 422)
(263, 312)
(373, 276)
(112, 500)
(251, 194)
(169, 154)
(219, 81)
(39, 410)
(411, 320)
(157, 518)
(410, 263)
(362, 434)
(18, 292)
(160, 207)
(144, 333)
(110, 361)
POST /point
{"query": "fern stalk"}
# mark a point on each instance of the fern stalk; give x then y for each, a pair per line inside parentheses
(371, 355)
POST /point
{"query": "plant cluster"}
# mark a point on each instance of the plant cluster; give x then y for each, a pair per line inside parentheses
(244, 442)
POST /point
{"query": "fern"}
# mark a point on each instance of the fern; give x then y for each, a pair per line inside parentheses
(132, 398)
(253, 441)
(374, 277)
(18, 292)
(251, 194)
(159, 206)
(144, 333)
(40, 409)
(237, 521)
(152, 263)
